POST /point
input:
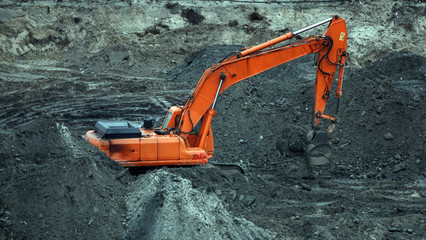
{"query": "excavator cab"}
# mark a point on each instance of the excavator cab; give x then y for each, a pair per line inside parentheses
(169, 121)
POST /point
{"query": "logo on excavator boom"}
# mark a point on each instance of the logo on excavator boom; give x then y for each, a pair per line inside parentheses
(342, 36)
(199, 155)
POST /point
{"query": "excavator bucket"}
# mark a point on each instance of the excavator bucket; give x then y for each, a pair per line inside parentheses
(319, 149)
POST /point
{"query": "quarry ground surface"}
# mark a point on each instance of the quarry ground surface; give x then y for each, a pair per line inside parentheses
(66, 64)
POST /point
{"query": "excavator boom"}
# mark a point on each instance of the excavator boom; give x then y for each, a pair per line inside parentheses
(185, 137)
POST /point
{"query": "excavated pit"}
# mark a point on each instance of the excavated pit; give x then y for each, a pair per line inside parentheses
(65, 65)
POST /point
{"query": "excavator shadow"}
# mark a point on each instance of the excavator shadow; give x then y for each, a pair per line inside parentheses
(135, 171)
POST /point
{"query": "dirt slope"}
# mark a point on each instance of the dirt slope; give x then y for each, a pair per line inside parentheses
(53, 186)
(165, 205)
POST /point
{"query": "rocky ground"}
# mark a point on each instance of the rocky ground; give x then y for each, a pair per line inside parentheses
(66, 64)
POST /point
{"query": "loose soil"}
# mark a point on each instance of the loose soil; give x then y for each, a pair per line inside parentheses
(66, 64)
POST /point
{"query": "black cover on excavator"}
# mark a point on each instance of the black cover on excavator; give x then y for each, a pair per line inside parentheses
(117, 129)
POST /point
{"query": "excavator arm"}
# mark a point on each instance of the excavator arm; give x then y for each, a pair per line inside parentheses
(331, 49)
(185, 137)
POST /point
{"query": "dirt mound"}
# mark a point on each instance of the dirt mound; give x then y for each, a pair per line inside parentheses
(382, 129)
(165, 205)
(379, 110)
(54, 186)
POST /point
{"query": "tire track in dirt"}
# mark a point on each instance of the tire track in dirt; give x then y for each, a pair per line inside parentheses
(80, 98)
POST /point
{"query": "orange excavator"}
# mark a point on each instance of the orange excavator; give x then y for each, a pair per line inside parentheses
(185, 136)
